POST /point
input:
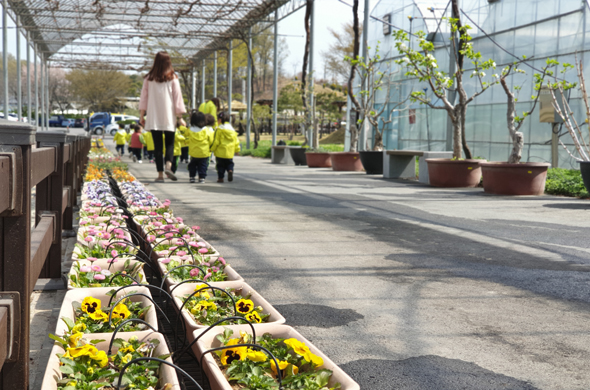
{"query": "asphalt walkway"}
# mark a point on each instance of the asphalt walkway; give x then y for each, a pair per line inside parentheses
(404, 285)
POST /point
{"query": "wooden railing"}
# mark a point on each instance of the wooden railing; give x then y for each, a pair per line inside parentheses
(55, 166)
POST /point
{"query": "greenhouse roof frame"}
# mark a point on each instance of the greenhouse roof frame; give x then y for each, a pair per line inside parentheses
(79, 32)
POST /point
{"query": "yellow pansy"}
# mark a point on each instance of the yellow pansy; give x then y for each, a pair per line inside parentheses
(73, 339)
(282, 365)
(203, 305)
(79, 327)
(99, 316)
(254, 317)
(313, 359)
(121, 311)
(229, 355)
(85, 350)
(256, 356)
(297, 346)
(244, 306)
(90, 371)
(90, 305)
(126, 359)
(127, 348)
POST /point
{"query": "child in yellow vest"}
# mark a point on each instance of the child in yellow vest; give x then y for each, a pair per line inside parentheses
(225, 145)
(199, 145)
(178, 141)
(149, 144)
(120, 140)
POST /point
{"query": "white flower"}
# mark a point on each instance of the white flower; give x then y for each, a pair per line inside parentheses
(430, 57)
(475, 72)
(434, 65)
(495, 75)
(482, 74)
(403, 46)
(406, 60)
(494, 65)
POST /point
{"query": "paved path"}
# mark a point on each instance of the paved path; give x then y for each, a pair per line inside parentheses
(407, 286)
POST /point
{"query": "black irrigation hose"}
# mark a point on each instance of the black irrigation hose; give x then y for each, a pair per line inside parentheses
(121, 325)
(118, 385)
(188, 281)
(142, 285)
(122, 274)
(179, 355)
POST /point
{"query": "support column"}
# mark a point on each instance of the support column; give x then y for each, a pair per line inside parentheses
(36, 88)
(47, 106)
(365, 128)
(193, 89)
(347, 131)
(29, 97)
(275, 80)
(249, 91)
(203, 83)
(19, 92)
(215, 76)
(42, 95)
(4, 55)
(229, 77)
(311, 76)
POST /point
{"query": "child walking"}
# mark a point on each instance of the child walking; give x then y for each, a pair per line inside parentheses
(121, 139)
(149, 145)
(199, 144)
(225, 145)
(136, 143)
(178, 141)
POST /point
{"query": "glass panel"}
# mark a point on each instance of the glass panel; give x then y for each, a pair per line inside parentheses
(546, 39)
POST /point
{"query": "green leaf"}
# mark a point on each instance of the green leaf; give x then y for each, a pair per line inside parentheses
(68, 322)
(66, 369)
(58, 339)
(96, 341)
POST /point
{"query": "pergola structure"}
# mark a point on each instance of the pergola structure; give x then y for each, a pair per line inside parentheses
(126, 33)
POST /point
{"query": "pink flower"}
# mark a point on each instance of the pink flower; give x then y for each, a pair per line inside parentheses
(99, 277)
(205, 278)
(165, 260)
(83, 222)
(102, 224)
(201, 244)
(195, 227)
(151, 238)
(85, 268)
(181, 253)
(114, 253)
(207, 264)
(91, 258)
(89, 239)
(186, 236)
(184, 258)
(104, 243)
(153, 213)
(222, 260)
(203, 250)
(157, 223)
(92, 232)
(126, 217)
(94, 216)
(169, 235)
(163, 253)
(112, 260)
(194, 272)
(179, 242)
(172, 248)
(96, 268)
(214, 269)
(193, 244)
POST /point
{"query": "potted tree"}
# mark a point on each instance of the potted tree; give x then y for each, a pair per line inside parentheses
(373, 80)
(513, 177)
(455, 172)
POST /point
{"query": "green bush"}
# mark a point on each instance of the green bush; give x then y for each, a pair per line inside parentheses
(566, 182)
(264, 148)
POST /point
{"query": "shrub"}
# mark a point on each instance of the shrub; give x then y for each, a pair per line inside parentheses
(566, 182)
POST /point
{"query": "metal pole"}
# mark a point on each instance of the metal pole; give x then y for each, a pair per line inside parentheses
(249, 90)
(229, 77)
(366, 126)
(554, 145)
(29, 116)
(311, 75)
(203, 83)
(347, 131)
(19, 92)
(193, 90)
(4, 54)
(48, 110)
(275, 80)
(36, 87)
(42, 95)
(215, 76)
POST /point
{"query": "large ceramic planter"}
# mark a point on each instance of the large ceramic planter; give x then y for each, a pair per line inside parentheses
(218, 380)
(514, 179)
(78, 295)
(104, 264)
(298, 156)
(585, 171)
(318, 160)
(453, 173)
(372, 162)
(232, 275)
(346, 161)
(241, 288)
(167, 373)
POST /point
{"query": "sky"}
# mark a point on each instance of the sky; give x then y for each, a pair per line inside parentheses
(329, 14)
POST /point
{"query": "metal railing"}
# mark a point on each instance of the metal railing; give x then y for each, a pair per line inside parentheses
(55, 166)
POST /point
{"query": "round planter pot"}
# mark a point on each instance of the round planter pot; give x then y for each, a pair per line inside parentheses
(298, 156)
(514, 179)
(585, 171)
(346, 161)
(372, 162)
(318, 160)
(444, 172)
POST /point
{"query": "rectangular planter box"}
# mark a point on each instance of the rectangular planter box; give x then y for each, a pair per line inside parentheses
(167, 373)
(118, 266)
(78, 295)
(218, 380)
(232, 276)
(82, 230)
(242, 288)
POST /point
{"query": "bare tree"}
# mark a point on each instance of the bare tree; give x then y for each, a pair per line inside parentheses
(354, 65)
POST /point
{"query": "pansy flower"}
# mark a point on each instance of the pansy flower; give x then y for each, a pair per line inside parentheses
(244, 306)
(121, 311)
(253, 317)
(90, 305)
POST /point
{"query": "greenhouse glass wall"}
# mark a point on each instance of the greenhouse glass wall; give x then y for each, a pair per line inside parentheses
(502, 30)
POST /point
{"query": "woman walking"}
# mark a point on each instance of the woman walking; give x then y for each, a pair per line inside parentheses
(161, 98)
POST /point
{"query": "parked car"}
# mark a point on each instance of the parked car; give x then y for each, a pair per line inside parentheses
(68, 123)
(11, 117)
(80, 122)
(56, 120)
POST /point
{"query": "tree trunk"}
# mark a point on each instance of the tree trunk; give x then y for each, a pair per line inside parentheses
(457, 134)
(378, 141)
(466, 148)
(517, 145)
(356, 50)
